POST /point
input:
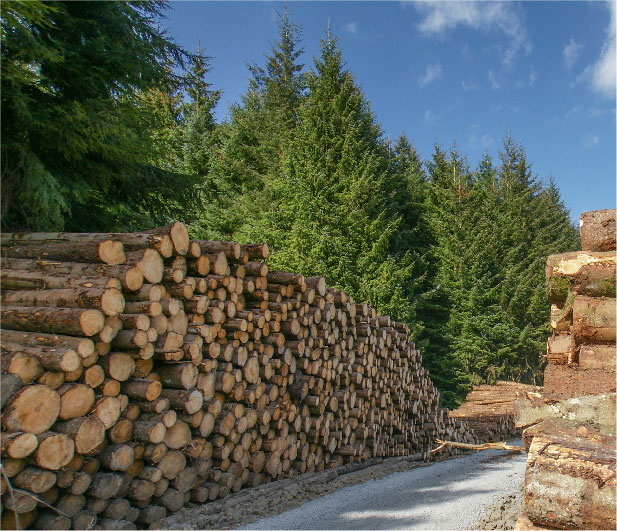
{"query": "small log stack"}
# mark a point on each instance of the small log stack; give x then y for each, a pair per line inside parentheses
(144, 371)
(489, 410)
(570, 427)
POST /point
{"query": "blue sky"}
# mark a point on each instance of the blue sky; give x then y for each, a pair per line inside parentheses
(444, 72)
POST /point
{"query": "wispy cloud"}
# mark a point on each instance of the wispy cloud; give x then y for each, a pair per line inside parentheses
(493, 80)
(432, 73)
(430, 118)
(468, 86)
(350, 27)
(502, 17)
(590, 141)
(531, 80)
(479, 141)
(571, 52)
(602, 73)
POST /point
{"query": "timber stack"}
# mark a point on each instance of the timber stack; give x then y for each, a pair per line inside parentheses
(570, 427)
(145, 371)
(489, 410)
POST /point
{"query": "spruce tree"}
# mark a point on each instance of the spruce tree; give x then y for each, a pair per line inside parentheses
(331, 200)
(252, 143)
(75, 142)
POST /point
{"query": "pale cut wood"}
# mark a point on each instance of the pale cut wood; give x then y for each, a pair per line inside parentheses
(142, 389)
(33, 409)
(54, 451)
(18, 445)
(178, 435)
(76, 399)
(117, 457)
(149, 262)
(172, 464)
(151, 431)
(118, 365)
(107, 410)
(178, 233)
(86, 432)
(27, 368)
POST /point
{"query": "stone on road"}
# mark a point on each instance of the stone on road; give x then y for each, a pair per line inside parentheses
(450, 494)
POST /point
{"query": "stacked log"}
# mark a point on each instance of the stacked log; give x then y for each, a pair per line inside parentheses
(144, 371)
(570, 427)
(489, 410)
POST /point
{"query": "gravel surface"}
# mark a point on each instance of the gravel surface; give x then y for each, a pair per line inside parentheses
(503, 514)
(452, 494)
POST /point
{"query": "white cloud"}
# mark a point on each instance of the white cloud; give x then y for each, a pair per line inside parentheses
(350, 27)
(432, 73)
(493, 80)
(430, 118)
(468, 86)
(571, 52)
(501, 17)
(590, 141)
(479, 141)
(602, 74)
(531, 80)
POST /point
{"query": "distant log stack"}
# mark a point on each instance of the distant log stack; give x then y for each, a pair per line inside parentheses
(144, 371)
(570, 427)
(489, 410)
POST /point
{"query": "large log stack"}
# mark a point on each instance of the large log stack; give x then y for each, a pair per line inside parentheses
(570, 427)
(489, 410)
(145, 371)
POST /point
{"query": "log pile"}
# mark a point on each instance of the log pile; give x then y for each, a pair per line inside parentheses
(145, 371)
(570, 427)
(489, 410)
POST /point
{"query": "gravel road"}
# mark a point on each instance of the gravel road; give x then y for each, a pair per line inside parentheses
(451, 494)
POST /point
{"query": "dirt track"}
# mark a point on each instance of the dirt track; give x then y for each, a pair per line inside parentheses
(452, 494)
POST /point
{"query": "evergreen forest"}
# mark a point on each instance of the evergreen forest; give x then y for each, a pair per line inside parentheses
(108, 125)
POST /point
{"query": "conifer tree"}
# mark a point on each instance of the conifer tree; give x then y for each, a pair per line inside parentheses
(252, 143)
(332, 213)
(75, 142)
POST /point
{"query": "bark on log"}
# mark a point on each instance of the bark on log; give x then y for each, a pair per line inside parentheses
(84, 347)
(71, 321)
(594, 319)
(598, 230)
(573, 381)
(583, 273)
(570, 478)
(108, 252)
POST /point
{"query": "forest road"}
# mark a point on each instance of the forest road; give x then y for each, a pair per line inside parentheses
(451, 494)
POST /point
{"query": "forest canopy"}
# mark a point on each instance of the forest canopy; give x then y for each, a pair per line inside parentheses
(108, 125)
